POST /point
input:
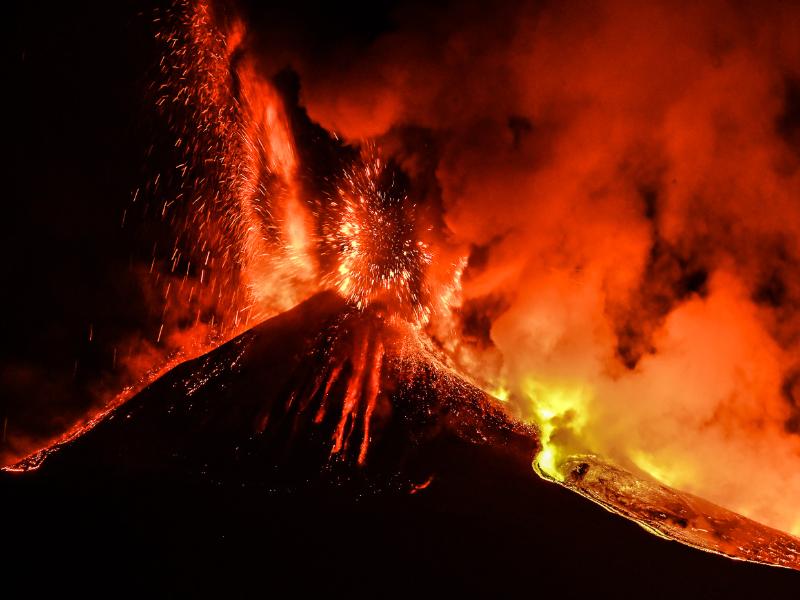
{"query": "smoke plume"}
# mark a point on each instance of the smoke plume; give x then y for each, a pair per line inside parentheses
(625, 179)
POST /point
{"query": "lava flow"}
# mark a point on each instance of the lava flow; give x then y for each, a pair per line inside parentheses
(626, 311)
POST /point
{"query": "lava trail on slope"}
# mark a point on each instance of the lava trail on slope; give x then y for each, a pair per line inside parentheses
(328, 449)
(311, 385)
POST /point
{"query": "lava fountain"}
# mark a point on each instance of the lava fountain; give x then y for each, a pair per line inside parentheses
(260, 226)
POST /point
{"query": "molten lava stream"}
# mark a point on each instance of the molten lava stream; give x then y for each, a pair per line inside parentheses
(591, 317)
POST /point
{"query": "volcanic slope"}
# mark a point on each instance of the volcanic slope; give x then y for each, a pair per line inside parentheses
(329, 449)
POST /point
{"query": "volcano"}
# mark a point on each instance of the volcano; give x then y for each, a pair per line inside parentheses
(329, 449)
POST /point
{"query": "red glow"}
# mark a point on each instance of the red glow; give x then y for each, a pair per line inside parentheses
(616, 183)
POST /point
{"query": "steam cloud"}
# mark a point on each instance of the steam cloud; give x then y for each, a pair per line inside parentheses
(626, 179)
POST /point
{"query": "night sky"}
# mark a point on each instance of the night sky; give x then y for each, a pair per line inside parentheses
(619, 182)
(84, 119)
(619, 178)
(79, 129)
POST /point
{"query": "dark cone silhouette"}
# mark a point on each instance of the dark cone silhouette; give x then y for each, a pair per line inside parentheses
(329, 449)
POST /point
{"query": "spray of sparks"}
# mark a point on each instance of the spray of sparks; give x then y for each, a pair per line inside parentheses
(249, 241)
(370, 232)
(241, 248)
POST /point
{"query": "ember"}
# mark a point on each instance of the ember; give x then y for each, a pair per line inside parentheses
(585, 224)
(370, 235)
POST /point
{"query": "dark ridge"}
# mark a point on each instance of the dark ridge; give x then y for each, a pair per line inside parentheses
(215, 482)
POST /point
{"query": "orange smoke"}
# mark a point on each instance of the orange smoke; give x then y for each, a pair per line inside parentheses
(241, 248)
(624, 178)
(231, 236)
(627, 176)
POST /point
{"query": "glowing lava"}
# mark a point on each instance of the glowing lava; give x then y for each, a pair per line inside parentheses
(612, 337)
(370, 233)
